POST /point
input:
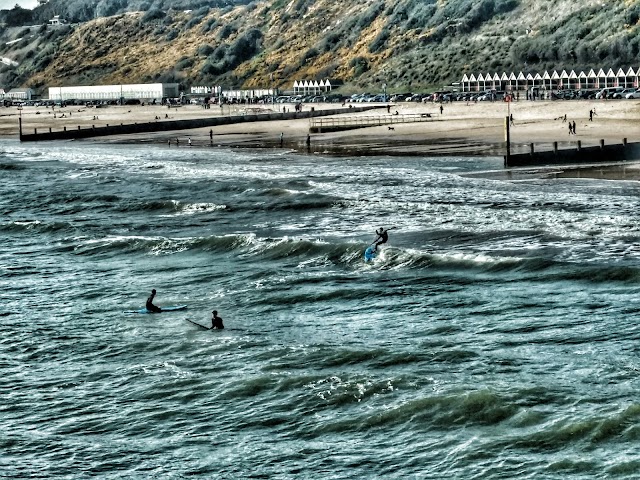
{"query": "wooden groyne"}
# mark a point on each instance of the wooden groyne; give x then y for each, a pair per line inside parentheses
(338, 124)
(169, 125)
(623, 151)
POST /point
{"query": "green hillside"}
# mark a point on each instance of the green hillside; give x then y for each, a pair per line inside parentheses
(406, 44)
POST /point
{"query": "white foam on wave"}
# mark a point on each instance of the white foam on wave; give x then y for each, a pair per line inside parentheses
(193, 209)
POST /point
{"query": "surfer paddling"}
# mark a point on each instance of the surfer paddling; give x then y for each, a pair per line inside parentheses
(150, 306)
(383, 237)
(216, 321)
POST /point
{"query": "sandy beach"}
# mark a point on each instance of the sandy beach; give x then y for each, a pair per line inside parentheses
(461, 129)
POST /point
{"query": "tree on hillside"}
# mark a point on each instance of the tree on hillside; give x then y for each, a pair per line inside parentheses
(17, 16)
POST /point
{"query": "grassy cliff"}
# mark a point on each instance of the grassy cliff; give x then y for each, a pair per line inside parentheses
(407, 44)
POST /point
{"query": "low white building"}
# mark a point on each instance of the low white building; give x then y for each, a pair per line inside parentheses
(247, 94)
(19, 94)
(200, 90)
(56, 21)
(144, 91)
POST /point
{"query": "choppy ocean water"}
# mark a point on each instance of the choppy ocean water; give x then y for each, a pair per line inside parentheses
(496, 337)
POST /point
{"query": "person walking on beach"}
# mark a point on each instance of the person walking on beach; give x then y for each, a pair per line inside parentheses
(574, 127)
(564, 119)
(216, 321)
(570, 129)
(150, 306)
(441, 109)
(308, 141)
(511, 120)
(591, 115)
(177, 142)
(189, 141)
(211, 135)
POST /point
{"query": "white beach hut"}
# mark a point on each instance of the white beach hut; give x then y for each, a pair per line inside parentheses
(537, 80)
(488, 80)
(621, 78)
(592, 79)
(482, 86)
(546, 80)
(612, 78)
(564, 79)
(465, 83)
(530, 81)
(633, 75)
(473, 83)
(582, 80)
(572, 81)
(496, 81)
(504, 81)
(555, 80)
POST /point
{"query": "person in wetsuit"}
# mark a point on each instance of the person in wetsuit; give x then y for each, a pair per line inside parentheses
(216, 321)
(150, 306)
(383, 236)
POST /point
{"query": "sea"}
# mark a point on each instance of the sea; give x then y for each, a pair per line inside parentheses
(494, 336)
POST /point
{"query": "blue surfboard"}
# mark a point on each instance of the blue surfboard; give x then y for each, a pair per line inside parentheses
(370, 253)
(164, 309)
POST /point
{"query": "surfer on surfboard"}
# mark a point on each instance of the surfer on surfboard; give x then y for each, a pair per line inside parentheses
(383, 237)
(150, 306)
(216, 321)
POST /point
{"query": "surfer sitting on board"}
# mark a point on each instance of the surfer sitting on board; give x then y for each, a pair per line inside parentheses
(150, 306)
(383, 236)
(216, 321)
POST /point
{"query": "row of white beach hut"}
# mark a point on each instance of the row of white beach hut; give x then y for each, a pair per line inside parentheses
(552, 81)
(309, 87)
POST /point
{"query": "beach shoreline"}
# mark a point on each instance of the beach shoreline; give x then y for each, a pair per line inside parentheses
(465, 129)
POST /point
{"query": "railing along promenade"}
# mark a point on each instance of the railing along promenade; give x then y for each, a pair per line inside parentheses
(319, 125)
(170, 125)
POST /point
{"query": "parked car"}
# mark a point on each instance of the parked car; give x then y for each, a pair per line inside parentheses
(608, 92)
(634, 94)
(623, 93)
(587, 94)
(416, 97)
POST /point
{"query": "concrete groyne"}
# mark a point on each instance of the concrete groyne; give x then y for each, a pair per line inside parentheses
(170, 125)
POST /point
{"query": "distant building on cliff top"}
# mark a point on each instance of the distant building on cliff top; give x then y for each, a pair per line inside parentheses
(56, 21)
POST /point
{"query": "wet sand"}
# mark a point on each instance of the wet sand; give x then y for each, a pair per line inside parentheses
(462, 129)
